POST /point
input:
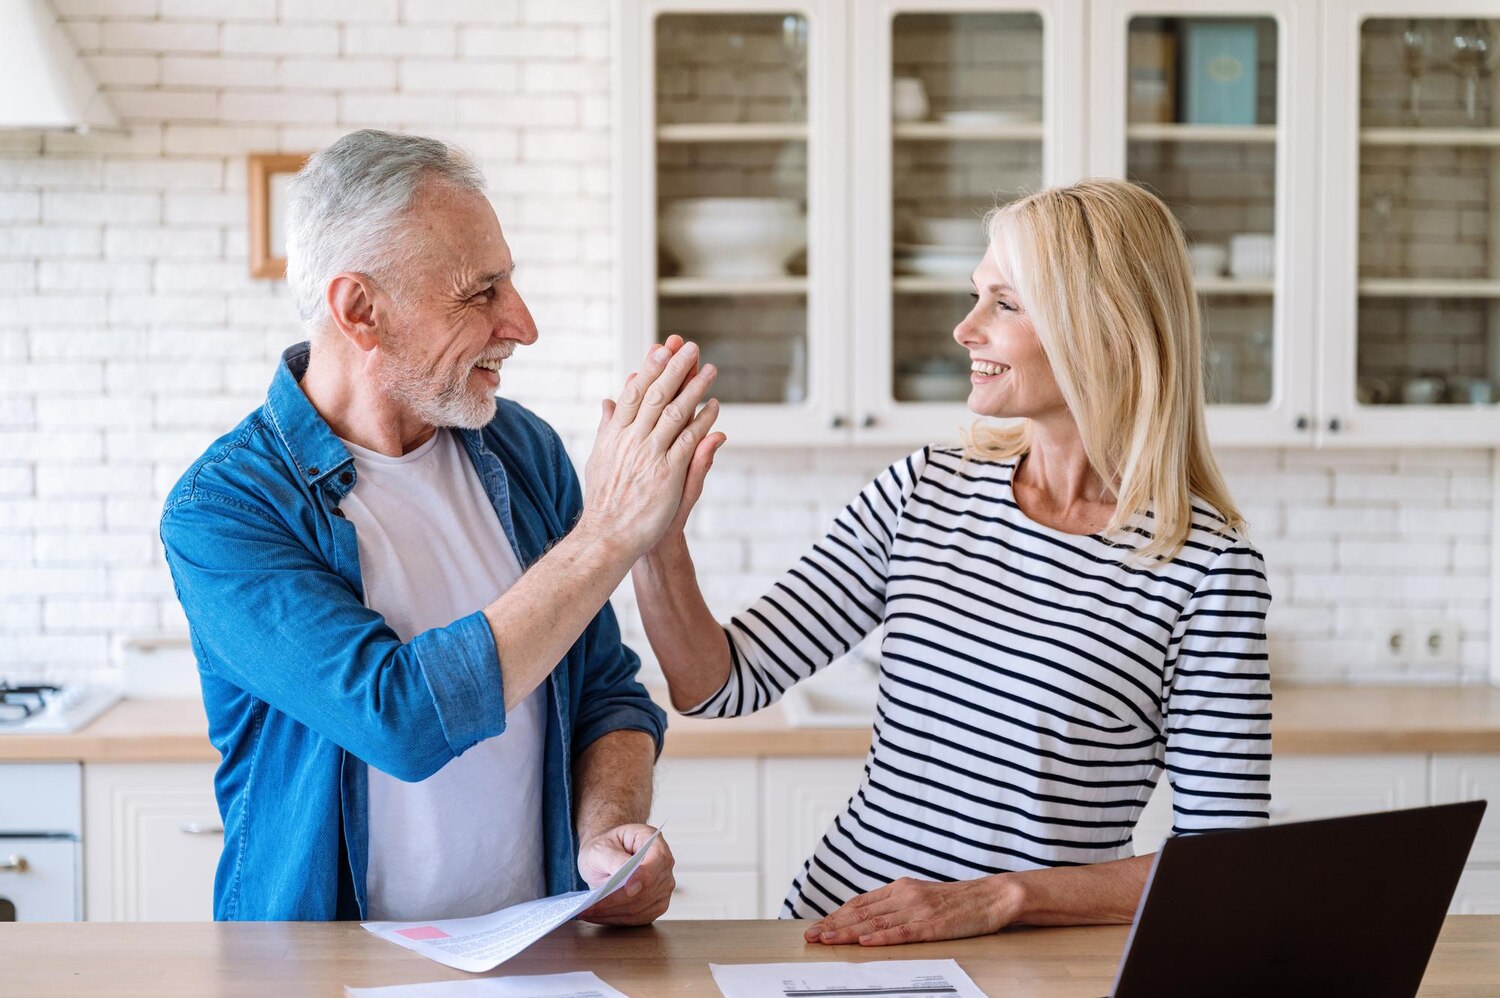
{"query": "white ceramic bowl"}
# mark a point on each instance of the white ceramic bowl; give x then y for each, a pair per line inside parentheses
(965, 232)
(732, 237)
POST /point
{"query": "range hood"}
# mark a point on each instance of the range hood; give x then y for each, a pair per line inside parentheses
(43, 82)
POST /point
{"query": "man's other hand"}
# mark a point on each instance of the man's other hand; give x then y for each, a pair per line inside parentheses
(645, 896)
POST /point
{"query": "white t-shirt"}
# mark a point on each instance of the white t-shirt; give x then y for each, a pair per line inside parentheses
(468, 839)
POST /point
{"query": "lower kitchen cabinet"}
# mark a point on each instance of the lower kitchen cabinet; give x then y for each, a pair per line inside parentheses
(151, 842)
(740, 828)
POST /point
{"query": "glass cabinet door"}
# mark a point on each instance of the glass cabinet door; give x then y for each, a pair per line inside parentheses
(730, 119)
(1428, 324)
(1410, 315)
(964, 117)
(1209, 106)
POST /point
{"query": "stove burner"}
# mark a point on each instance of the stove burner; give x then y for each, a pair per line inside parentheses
(17, 703)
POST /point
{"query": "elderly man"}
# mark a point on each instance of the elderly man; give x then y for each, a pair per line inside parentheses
(397, 591)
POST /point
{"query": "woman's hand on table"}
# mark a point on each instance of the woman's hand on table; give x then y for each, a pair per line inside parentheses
(911, 911)
(645, 896)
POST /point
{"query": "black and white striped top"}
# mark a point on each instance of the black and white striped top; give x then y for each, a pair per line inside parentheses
(1033, 687)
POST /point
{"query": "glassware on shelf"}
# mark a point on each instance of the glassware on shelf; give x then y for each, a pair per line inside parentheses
(737, 76)
(794, 48)
(1416, 46)
(1473, 54)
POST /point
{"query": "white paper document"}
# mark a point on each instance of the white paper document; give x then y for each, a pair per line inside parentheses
(582, 984)
(485, 941)
(882, 978)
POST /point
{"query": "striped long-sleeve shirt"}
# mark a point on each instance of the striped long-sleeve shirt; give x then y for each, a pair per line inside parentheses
(1033, 684)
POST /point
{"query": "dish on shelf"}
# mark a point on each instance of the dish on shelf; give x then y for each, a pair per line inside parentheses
(949, 232)
(936, 261)
(922, 386)
(732, 237)
(985, 118)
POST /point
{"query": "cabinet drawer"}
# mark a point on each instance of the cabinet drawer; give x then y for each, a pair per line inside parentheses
(1308, 787)
(1155, 822)
(802, 798)
(1472, 777)
(41, 798)
(40, 883)
(153, 842)
(712, 810)
(715, 894)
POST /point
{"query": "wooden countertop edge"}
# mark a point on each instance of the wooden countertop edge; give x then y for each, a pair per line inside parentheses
(1310, 722)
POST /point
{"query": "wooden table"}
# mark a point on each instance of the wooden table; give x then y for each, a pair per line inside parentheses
(285, 959)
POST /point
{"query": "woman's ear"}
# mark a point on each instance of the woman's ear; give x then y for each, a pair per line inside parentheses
(351, 303)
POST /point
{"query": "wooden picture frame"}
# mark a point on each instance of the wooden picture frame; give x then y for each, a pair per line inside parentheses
(267, 175)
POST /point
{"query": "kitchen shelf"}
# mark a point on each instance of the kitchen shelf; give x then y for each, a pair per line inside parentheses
(1234, 286)
(706, 287)
(728, 131)
(1421, 287)
(1172, 132)
(1430, 137)
(921, 285)
(943, 131)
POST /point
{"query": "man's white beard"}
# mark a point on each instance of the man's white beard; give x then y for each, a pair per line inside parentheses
(452, 403)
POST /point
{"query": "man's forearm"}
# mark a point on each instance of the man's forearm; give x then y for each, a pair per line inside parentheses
(614, 776)
(536, 621)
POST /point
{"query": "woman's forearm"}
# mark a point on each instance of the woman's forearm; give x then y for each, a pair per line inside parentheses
(688, 642)
(1100, 894)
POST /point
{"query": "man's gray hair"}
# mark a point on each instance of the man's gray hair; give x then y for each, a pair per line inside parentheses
(347, 204)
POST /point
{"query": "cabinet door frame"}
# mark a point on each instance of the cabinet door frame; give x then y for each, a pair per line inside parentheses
(877, 417)
(821, 417)
(1338, 314)
(1287, 420)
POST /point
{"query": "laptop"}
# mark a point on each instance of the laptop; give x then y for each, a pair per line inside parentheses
(1342, 906)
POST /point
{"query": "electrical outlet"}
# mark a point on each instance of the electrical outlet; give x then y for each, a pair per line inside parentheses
(1435, 643)
(1393, 645)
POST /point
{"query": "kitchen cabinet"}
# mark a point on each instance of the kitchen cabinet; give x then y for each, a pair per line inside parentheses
(1347, 251)
(1409, 309)
(153, 841)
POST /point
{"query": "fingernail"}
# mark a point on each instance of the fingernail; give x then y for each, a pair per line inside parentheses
(827, 936)
(660, 354)
(865, 939)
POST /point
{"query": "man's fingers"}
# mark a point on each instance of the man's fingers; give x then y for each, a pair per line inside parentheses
(636, 386)
(664, 387)
(685, 447)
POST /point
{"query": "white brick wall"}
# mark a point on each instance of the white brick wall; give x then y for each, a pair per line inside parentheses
(130, 335)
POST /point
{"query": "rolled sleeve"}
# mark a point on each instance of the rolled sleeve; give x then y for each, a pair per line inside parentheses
(461, 666)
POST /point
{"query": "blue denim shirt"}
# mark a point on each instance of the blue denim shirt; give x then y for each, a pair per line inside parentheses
(305, 686)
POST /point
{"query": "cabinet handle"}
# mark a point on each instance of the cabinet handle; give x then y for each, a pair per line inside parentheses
(1335, 424)
(837, 422)
(198, 828)
(868, 421)
(1303, 422)
(15, 864)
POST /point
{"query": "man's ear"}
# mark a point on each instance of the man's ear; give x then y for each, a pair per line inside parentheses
(351, 303)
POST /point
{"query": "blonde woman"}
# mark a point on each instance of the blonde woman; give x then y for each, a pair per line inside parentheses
(1070, 606)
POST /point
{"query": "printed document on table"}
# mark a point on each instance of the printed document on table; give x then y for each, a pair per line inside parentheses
(582, 984)
(882, 979)
(485, 941)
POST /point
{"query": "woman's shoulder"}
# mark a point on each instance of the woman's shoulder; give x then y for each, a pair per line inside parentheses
(953, 461)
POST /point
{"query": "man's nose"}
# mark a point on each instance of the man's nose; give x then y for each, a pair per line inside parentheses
(516, 322)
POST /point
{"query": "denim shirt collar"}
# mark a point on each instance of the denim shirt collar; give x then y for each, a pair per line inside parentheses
(315, 451)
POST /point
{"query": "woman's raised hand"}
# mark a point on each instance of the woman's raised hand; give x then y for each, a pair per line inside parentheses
(653, 448)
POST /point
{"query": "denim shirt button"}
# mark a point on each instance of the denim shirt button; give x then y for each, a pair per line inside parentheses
(346, 478)
(312, 472)
(338, 512)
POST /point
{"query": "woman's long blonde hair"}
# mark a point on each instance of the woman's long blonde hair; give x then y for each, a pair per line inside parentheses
(1101, 268)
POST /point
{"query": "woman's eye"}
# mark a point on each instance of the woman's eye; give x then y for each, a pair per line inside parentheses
(1003, 304)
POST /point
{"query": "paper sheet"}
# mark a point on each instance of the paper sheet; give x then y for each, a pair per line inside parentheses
(885, 979)
(485, 941)
(582, 984)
